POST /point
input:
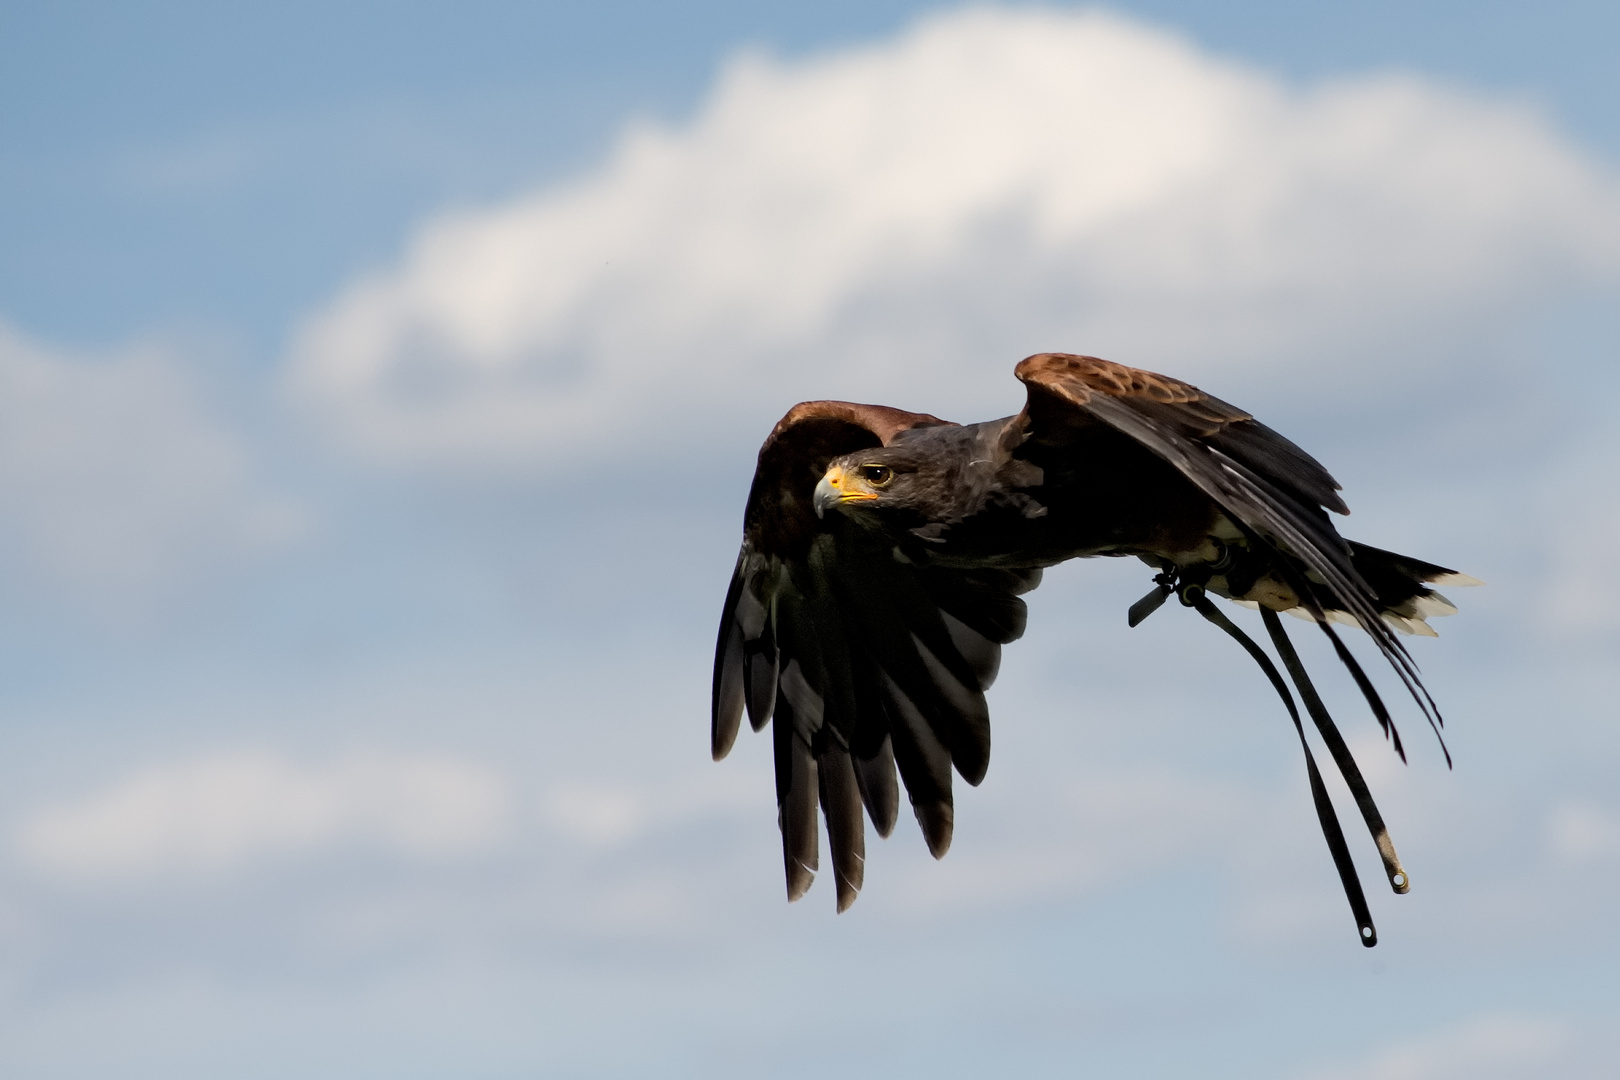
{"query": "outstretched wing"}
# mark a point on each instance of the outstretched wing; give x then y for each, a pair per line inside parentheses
(861, 660)
(1268, 486)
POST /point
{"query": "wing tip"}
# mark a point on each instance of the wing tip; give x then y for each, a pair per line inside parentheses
(799, 879)
(938, 821)
(889, 815)
(972, 768)
(723, 736)
(849, 884)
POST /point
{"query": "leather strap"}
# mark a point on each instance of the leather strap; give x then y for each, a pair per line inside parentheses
(1398, 879)
(1193, 596)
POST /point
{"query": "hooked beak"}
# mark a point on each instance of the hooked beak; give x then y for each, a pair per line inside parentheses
(834, 489)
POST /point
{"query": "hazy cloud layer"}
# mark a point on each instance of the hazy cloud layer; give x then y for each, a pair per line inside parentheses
(1495, 1047)
(1583, 832)
(1583, 596)
(115, 477)
(221, 812)
(991, 183)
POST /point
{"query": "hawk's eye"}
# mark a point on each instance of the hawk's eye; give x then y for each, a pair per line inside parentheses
(876, 475)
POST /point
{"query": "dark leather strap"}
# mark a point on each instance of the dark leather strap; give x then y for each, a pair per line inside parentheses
(1147, 605)
(1398, 879)
(1194, 597)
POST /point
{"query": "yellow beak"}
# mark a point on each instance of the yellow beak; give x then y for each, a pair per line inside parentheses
(838, 487)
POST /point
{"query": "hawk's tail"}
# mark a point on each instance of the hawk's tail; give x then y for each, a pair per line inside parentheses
(1401, 593)
(1402, 585)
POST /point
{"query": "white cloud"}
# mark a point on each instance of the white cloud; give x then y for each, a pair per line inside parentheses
(1581, 595)
(219, 812)
(1582, 832)
(606, 813)
(1503, 1047)
(927, 210)
(112, 475)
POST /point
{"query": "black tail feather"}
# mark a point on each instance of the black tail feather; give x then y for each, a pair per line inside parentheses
(1370, 692)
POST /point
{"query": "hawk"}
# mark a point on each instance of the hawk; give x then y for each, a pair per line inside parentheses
(885, 555)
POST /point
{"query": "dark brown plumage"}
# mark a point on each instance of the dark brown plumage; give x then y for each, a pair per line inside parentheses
(885, 552)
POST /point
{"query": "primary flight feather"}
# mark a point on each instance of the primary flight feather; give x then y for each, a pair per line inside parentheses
(885, 552)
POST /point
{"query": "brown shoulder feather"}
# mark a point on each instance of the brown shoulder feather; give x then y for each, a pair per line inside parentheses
(1058, 383)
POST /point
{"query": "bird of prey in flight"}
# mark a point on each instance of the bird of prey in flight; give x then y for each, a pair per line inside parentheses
(885, 552)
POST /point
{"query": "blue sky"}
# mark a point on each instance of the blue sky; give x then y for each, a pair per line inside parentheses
(378, 392)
